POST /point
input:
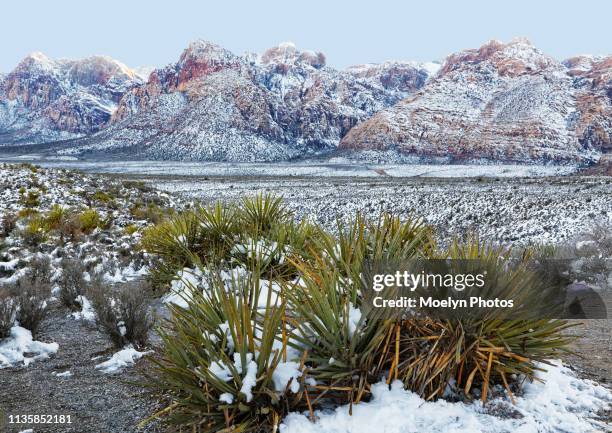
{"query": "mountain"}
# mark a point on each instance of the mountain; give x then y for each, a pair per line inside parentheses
(502, 101)
(44, 99)
(215, 105)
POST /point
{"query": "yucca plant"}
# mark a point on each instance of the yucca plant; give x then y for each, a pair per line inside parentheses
(36, 231)
(219, 227)
(361, 240)
(259, 214)
(276, 252)
(217, 365)
(90, 220)
(342, 342)
(484, 347)
(56, 216)
(189, 238)
(175, 242)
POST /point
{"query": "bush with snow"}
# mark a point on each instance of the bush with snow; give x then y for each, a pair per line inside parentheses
(312, 345)
(224, 342)
(122, 312)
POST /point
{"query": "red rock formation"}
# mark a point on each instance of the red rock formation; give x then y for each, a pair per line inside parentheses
(502, 102)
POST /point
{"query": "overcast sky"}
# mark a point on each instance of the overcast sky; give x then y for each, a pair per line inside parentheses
(151, 33)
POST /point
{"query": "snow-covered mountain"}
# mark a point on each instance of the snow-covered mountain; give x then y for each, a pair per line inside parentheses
(501, 102)
(286, 103)
(44, 99)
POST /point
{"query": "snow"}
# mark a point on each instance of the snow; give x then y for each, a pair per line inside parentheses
(87, 312)
(226, 397)
(354, 317)
(180, 288)
(285, 372)
(333, 167)
(250, 379)
(13, 350)
(63, 374)
(562, 404)
(221, 371)
(126, 357)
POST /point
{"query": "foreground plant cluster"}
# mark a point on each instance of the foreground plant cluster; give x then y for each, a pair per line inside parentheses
(70, 241)
(268, 318)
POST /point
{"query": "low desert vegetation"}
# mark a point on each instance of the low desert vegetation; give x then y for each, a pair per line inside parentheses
(294, 302)
(122, 312)
(31, 293)
(72, 283)
(9, 223)
(8, 310)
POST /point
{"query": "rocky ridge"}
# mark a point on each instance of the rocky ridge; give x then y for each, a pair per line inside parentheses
(502, 101)
(286, 103)
(44, 99)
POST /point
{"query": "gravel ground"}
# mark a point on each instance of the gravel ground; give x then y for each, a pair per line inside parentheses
(97, 403)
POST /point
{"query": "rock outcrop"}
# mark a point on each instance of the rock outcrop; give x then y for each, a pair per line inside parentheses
(506, 102)
(45, 100)
(214, 105)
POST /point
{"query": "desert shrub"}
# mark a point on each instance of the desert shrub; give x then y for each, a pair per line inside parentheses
(70, 227)
(593, 257)
(33, 168)
(72, 283)
(136, 184)
(31, 199)
(176, 244)
(486, 347)
(257, 215)
(9, 223)
(31, 294)
(90, 220)
(27, 213)
(130, 229)
(56, 217)
(150, 212)
(122, 313)
(317, 306)
(276, 254)
(361, 239)
(35, 232)
(218, 360)
(102, 197)
(8, 309)
(194, 236)
(343, 345)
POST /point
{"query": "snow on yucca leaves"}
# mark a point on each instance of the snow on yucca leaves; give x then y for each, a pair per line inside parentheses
(224, 363)
(312, 327)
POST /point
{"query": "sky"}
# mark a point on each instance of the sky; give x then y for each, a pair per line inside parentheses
(151, 33)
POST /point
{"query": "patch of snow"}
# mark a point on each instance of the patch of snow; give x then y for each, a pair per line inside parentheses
(285, 372)
(87, 312)
(13, 350)
(126, 357)
(226, 397)
(250, 379)
(562, 403)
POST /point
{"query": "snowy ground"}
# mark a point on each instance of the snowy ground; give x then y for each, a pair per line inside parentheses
(337, 167)
(78, 372)
(512, 211)
(553, 406)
